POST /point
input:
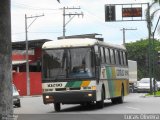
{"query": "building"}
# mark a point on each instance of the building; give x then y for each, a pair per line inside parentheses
(19, 66)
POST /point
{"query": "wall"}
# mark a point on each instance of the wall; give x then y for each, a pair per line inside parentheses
(19, 79)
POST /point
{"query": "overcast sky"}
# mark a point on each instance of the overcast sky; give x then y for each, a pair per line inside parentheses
(50, 25)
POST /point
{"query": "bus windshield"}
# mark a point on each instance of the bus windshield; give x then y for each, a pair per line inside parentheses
(68, 63)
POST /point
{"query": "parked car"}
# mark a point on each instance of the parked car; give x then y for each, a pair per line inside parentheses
(16, 97)
(144, 85)
(158, 82)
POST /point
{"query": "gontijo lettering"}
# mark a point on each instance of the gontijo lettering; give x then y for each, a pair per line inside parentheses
(55, 85)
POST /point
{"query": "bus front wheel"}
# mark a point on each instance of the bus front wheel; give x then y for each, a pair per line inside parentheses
(114, 100)
(100, 104)
(57, 107)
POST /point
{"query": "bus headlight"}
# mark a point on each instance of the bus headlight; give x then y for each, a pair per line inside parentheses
(89, 95)
(47, 97)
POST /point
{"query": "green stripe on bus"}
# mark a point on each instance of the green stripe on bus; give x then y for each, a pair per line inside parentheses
(77, 84)
(110, 81)
(69, 84)
(111, 87)
(74, 84)
(109, 72)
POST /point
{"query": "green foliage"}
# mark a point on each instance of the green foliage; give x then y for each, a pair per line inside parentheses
(157, 1)
(157, 93)
(138, 51)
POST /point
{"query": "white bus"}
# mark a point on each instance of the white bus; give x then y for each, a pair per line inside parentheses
(83, 71)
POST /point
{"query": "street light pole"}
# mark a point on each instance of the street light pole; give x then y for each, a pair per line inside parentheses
(154, 53)
(150, 47)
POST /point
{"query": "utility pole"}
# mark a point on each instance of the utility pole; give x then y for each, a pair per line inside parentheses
(124, 30)
(71, 15)
(6, 100)
(27, 59)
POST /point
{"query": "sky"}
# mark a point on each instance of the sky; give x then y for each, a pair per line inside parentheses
(50, 26)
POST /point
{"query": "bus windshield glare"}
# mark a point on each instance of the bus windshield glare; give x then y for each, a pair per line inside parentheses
(68, 63)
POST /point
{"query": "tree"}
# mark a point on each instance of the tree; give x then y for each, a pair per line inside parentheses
(138, 51)
(6, 105)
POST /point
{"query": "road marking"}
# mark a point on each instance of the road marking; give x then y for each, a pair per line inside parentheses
(133, 108)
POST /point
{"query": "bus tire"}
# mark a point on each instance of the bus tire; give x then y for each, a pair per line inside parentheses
(100, 104)
(18, 104)
(57, 107)
(121, 98)
(114, 100)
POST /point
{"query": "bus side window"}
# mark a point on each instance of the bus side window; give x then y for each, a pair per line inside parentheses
(102, 55)
(121, 57)
(97, 55)
(117, 57)
(112, 54)
(96, 49)
(92, 58)
(107, 56)
(125, 58)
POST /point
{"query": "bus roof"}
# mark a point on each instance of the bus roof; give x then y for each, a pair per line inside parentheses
(78, 42)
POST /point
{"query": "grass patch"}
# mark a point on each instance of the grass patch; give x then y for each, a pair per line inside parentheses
(156, 94)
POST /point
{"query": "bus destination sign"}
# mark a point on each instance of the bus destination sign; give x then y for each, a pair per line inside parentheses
(132, 12)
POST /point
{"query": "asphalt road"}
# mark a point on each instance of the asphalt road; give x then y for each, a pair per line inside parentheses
(135, 103)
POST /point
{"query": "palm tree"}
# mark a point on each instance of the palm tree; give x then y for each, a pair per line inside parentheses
(151, 6)
(150, 16)
(157, 1)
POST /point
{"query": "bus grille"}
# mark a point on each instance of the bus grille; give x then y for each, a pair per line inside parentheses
(67, 89)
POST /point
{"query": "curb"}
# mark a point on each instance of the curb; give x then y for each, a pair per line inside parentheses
(30, 96)
(150, 96)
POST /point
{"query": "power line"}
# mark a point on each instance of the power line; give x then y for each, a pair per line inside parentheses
(36, 32)
(24, 6)
(45, 32)
(18, 33)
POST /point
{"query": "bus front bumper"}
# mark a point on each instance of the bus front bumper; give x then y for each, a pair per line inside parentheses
(69, 97)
